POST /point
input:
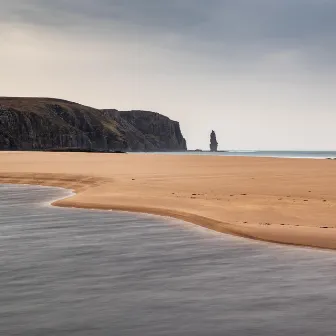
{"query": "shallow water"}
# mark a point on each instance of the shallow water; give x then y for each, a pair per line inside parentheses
(81, 272)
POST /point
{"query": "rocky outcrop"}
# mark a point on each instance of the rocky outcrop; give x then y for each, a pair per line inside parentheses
(46, 123)
(149, 131)
(213, 142)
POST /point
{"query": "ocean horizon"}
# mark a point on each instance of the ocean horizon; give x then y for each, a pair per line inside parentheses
(307, 154)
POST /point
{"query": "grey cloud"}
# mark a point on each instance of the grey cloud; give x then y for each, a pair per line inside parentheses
(238, 26)
(81, 12)
(288, 19)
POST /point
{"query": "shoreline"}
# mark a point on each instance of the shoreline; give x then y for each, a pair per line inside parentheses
(159, 187)
(207, 223)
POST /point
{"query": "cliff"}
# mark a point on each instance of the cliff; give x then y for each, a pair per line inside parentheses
(149, 131)
(47, 123)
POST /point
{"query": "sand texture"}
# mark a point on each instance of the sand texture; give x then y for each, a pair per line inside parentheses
(290, 201)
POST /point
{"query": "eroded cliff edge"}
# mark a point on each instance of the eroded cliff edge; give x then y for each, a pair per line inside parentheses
(47, 123)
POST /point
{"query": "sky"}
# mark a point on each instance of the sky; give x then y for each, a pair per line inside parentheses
(261, 73)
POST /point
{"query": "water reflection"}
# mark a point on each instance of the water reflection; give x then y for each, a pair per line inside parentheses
(79, 272)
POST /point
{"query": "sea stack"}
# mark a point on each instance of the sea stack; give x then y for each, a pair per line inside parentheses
(213, 142)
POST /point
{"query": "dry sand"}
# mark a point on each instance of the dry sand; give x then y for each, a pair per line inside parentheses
(290, 201)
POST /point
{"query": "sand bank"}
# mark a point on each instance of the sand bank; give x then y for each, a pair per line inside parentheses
(289, 201)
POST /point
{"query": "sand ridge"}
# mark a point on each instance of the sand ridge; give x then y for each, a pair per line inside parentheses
(289, 201)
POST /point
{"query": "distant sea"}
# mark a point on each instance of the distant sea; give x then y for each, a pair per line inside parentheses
(276, 154)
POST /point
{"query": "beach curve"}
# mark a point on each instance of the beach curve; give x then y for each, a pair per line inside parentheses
(183, 187)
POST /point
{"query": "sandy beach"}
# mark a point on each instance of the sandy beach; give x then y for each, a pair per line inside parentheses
(288, 201)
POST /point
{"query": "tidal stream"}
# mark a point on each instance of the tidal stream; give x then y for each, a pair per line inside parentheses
(82, 272)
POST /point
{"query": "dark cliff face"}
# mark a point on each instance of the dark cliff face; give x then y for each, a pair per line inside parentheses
(149, 131)
(45, 123)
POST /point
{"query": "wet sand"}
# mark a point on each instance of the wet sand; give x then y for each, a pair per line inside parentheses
(289, 201)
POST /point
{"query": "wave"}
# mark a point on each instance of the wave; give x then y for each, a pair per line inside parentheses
(243, 151)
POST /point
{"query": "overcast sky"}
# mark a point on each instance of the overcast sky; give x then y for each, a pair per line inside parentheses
(261, 73)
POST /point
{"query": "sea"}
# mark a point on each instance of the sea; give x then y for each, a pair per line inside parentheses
(86, 272)
(256, 153)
